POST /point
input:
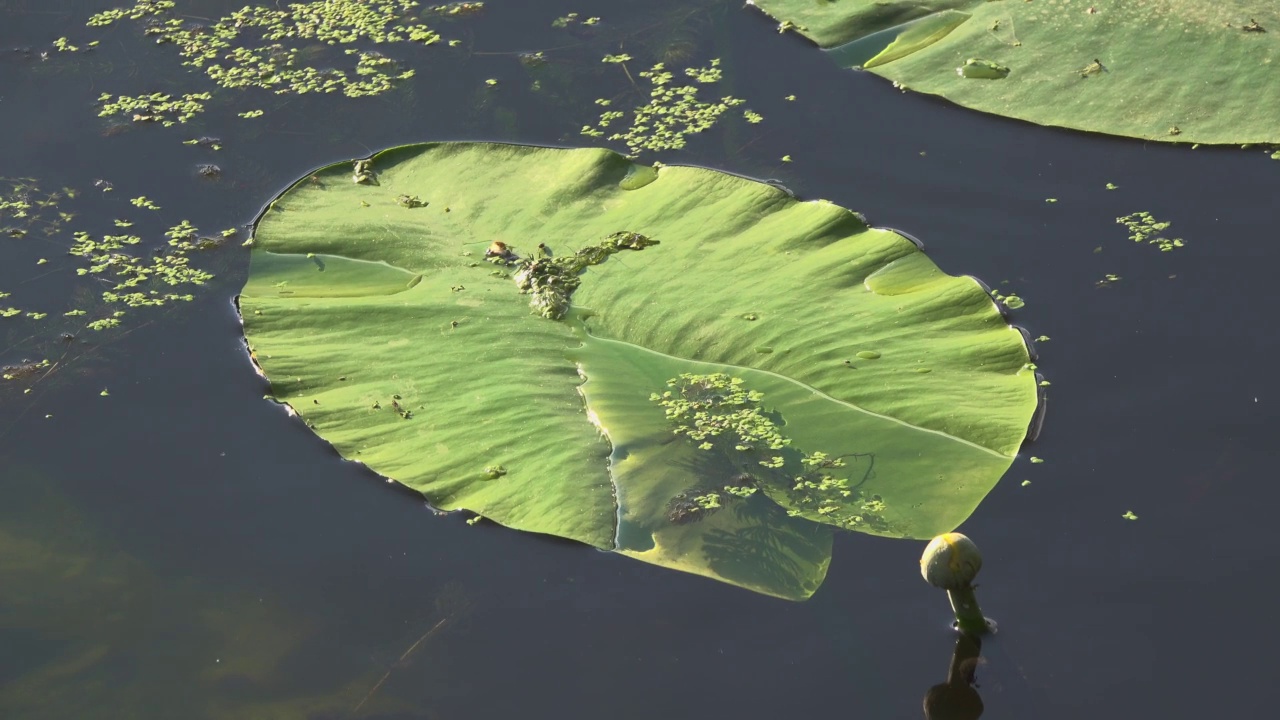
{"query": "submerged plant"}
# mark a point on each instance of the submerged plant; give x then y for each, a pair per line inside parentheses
(25, 207)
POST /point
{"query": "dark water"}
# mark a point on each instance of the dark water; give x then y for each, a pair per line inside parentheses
(181, 548)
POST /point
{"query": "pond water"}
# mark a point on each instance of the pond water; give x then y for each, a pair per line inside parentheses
(172, 545)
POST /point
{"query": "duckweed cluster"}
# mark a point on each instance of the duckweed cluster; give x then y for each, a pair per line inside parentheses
(717, 408)
(1010, 300)
(154, 107)
(62, 44)
(1143, 228)
(573, 18)
(133, 279)
(720, 414)
(288, 50)
(672, 113)
(142, 282)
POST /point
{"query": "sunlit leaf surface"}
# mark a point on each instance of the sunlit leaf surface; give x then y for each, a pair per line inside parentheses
(1199, 71)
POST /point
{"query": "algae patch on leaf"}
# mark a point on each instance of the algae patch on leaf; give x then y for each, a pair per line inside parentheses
(409, 352)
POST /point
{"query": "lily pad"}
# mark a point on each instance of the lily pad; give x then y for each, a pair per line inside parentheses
(406, 344)
(1133, 68)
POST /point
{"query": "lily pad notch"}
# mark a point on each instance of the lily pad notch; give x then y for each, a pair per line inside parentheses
(897, 395)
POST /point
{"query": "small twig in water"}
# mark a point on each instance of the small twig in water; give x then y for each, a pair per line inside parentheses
(403, 657)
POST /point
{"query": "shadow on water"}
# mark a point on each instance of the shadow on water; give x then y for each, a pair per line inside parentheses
(180, 548)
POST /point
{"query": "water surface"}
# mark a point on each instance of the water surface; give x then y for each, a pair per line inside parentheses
(180, 547)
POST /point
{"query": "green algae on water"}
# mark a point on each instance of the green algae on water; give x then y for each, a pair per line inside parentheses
(672, 113)
(154, 107)
(121, 275)
(573, 18)
(290, 50)
(1144, 228)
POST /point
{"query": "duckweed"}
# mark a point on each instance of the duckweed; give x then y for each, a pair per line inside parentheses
(718, 413)
(133, 279)
(572, 18)
(706, 407)
(154, 107)
(458, 8)
(672, 113)
(1143, 228)
(1107, 281)
(284, 50)
(62, 44)
(1011, 301)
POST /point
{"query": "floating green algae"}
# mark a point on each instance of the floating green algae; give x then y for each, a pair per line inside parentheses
(673, 112)
(1144, 228)
(295, 49)
(117, 266)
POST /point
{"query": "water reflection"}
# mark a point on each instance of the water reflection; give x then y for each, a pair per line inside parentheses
(957, 698)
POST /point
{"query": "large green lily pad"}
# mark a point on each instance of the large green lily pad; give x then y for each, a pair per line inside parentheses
(372, 309)
(1198, 71)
